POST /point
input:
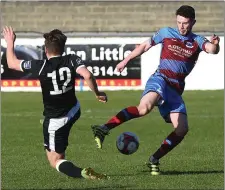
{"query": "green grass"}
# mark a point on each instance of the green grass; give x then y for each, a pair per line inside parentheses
(197, 163)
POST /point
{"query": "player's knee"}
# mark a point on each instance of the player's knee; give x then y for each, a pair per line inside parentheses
(182, 129)
(53, 158)
(144, 109)
(180, 123)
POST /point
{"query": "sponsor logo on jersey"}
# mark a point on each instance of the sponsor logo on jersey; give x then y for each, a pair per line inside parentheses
(79, 61)
(27, 65)
(177, 50)
(189, 45)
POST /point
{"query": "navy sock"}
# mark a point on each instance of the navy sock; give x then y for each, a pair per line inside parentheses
(69, 169)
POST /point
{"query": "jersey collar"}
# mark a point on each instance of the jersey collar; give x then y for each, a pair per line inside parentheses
(54, 56)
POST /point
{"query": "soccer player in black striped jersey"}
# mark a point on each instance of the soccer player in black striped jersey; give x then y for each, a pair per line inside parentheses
(61, 107)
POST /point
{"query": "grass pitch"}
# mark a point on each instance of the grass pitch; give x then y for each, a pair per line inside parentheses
(197, 163)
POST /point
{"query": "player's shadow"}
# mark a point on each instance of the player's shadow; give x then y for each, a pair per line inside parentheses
(175, 172)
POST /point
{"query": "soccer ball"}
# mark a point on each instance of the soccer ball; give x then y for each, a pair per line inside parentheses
(127, 143)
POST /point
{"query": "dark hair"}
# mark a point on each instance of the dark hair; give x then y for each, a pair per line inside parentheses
(55, 41)
(186, 11)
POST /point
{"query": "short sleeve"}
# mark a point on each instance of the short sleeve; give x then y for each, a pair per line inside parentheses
(201, 40)
(159, 36)
(32, 66)
(77, 62)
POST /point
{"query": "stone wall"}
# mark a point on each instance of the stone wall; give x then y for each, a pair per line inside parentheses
(107, 16)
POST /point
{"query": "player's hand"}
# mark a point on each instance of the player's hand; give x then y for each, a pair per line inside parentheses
(9, 35)
(214, 39)
(120, 66)
(102, 97)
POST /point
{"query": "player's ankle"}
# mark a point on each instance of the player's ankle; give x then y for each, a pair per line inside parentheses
(105, 128)
(68, 168)
(153, 160)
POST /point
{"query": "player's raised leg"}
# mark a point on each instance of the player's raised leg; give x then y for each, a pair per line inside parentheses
(180, 124)
(147, 103)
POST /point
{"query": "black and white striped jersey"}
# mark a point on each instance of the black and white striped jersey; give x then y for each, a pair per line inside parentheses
(57, 79)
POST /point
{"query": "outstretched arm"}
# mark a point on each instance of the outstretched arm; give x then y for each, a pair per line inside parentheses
(91, 82)
(143, 47)
(12, 61)
(139, 50)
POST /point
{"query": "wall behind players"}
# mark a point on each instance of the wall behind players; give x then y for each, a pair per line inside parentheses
(101, 56)
(107, 16)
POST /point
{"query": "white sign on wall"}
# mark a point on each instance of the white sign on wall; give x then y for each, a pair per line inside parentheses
(208, 73)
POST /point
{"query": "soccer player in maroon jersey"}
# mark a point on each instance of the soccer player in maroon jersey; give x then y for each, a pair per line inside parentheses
(180, 51)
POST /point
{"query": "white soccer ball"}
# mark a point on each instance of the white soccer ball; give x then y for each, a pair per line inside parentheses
(127, 143)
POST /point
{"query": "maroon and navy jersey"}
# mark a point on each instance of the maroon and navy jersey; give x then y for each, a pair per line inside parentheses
(178, 55)
(57, 78)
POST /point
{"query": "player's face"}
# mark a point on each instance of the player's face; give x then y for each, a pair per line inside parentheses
(184, 25)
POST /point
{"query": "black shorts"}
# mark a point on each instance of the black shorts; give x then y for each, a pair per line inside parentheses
(56, 130)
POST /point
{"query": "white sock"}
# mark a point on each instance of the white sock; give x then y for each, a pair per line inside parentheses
(58, 163)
